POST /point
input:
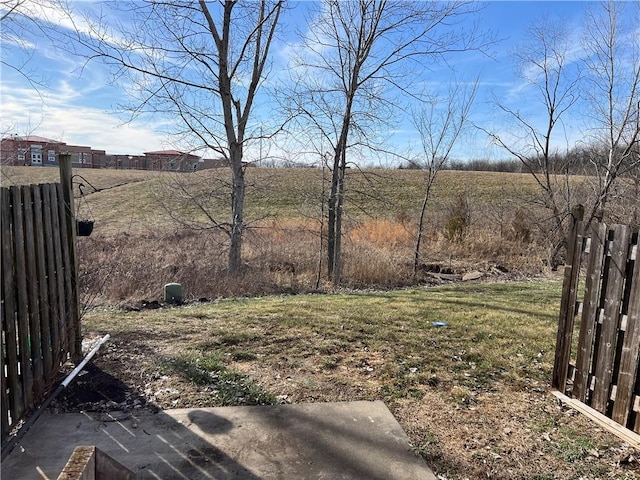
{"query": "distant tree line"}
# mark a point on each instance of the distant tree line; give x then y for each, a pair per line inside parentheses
(581, 160)
(473, 165)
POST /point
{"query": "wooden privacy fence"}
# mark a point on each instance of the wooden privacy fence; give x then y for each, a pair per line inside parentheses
(600, 367)
(40, 318)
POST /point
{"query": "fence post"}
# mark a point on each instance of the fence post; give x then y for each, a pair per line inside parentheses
(568, 302)
(75, 343)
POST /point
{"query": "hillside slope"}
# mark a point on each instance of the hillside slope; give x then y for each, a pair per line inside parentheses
(128, 197)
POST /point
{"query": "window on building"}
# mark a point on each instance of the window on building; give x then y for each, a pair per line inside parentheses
(51, 156)
(36, 155)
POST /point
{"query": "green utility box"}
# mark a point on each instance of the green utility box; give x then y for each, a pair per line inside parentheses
(173, 293)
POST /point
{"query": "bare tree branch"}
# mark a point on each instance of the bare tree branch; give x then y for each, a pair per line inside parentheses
(440, 122)
(355, 57)
(612, 44)
(544, 64)
(200, 62)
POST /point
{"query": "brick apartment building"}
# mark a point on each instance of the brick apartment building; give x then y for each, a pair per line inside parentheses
(39, 151)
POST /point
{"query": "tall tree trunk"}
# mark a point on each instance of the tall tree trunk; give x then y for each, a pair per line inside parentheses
(336, 195)
(423, 209)
(337, 262)
(332, 203)
(237, 209)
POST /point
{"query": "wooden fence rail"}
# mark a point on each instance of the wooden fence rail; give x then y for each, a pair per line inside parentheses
(601, 367)
(39, 314)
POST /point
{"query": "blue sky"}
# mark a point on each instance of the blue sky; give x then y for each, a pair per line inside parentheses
(75, 103)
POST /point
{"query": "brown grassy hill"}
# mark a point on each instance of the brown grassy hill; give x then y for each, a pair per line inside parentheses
(156, 227)
(124, 196)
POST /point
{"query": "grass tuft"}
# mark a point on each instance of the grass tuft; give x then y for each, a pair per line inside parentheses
(210, 372)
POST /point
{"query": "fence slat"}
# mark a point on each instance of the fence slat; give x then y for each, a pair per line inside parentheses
(9, 354)
(615, 276)
(33, 294)
(68, 324)
(589, 320)
(22, 320)
(567, 308)
(60, 324)
(52, 284)
(43, 285)
(69, 231)
(4, 411)
(630, 351)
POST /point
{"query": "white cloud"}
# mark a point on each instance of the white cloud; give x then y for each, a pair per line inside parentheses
(55, 116)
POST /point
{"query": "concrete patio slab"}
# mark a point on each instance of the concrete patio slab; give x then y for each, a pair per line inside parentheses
(350, 440)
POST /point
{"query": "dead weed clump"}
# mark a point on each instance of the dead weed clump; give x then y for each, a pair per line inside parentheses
(368, 266)
(381, 233)
(284, 256)
(123, 268)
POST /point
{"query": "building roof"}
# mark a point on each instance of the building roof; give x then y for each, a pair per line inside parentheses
(32, 138)
(173, 153)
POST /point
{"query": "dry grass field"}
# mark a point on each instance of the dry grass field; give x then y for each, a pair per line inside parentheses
(151, 229)
(473, 396)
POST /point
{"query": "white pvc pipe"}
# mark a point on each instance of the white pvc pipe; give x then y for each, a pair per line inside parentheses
(86, 359)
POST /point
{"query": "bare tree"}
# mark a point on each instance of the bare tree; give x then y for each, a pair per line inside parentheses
(355, 58)
(440, 123)
(199, 62)
(545, 63)
(612, 47)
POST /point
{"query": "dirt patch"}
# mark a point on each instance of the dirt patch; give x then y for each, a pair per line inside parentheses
(95, 389)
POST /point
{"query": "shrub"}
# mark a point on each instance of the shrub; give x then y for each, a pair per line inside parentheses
(520, 227)
(458, 219)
